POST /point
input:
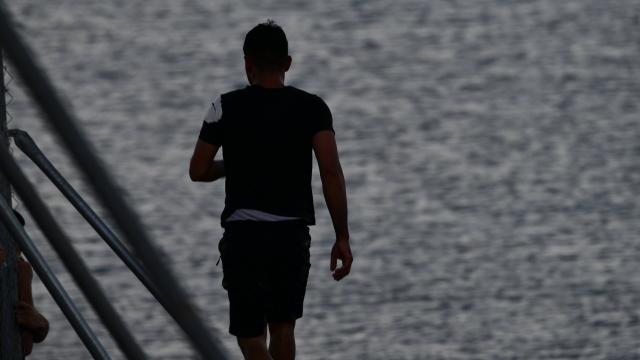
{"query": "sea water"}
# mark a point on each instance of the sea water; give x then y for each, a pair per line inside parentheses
(491, 150)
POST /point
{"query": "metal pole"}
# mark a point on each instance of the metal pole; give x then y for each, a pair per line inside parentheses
(83, 153)
(70, 258)
(10, 344)
(52, 284)
(31, 149)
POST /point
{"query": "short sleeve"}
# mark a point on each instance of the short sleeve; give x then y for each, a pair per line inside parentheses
(322, 119)
(212, 131)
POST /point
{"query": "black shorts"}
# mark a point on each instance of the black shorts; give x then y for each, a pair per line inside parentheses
(265, 266)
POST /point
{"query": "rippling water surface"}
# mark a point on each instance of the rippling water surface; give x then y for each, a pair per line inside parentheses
(491, 149)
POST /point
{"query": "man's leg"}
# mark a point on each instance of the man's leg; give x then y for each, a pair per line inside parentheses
(282, 343)
(243, 269)
(254, 348)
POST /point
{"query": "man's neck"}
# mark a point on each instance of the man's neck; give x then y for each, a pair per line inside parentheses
(269, 80)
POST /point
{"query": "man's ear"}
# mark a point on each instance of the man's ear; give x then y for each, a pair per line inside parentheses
(248, 69)
(287, 64)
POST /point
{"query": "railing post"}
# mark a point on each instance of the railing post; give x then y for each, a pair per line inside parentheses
(10, 346)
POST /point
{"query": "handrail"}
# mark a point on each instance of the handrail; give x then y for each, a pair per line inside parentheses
(65, 125)
(31, 149)
(52, 284)
(70, 258)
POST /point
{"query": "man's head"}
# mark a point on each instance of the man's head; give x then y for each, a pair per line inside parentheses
(266, 50)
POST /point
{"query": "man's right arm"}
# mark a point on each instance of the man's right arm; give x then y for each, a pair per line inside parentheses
(333, 186)
(202, 166)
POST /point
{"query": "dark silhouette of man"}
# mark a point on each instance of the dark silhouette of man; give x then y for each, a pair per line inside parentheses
(268, 132)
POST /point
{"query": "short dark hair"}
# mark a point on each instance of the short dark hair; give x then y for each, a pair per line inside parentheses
(266, 46)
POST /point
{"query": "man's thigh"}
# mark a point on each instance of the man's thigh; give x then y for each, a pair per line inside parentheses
(287, 283)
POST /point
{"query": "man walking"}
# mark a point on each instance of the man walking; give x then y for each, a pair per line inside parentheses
(267, 132)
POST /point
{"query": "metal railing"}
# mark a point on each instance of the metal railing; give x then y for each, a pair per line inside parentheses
(64, 301)
(29, 148)
(145, 264)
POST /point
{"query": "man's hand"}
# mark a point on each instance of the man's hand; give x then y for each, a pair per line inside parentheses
(34, 326)
(28, 317)
(341, 251)
(25, 315)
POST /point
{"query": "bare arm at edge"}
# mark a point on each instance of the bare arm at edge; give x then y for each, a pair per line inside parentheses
(202, 166)
(335, 195)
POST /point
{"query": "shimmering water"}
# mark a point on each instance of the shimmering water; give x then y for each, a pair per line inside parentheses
(491, 150)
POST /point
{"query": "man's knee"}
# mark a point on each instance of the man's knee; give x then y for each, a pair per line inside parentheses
(253, 347)
(283, 328)
(251, 342)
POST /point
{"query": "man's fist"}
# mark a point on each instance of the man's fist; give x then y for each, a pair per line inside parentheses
(34, 326)
(341, 251)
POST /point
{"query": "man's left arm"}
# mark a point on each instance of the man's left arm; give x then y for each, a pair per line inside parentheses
(203, 167)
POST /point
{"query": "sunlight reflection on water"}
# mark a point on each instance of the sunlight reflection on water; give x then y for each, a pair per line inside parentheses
(491, 154)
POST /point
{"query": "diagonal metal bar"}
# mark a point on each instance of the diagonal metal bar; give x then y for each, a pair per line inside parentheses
(43, 92)
(31, 149)
(48, 278)
(70, 258)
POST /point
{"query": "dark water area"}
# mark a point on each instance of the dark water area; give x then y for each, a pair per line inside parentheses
(491, 150)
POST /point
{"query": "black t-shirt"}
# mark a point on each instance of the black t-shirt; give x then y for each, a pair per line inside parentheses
(265, 136)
